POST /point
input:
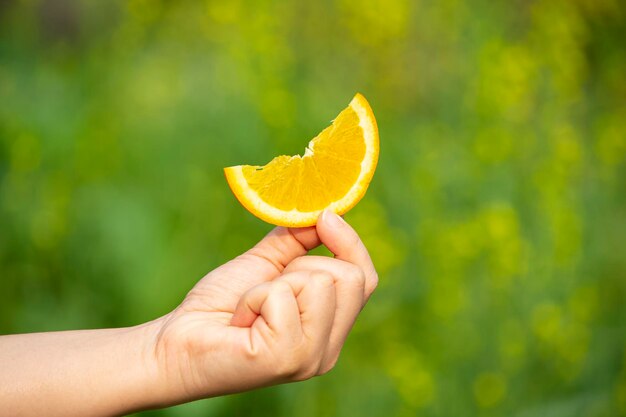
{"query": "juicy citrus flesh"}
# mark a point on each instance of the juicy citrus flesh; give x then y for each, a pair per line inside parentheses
(333, 173)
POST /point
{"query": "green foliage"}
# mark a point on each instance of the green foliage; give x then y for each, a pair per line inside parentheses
(497, 216)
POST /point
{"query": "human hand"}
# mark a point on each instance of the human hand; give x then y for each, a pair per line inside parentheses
(271, 315)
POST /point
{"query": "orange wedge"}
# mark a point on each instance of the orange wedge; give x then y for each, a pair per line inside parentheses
(334, 172)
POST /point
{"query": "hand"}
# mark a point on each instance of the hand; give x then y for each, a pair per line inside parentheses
(270, 315)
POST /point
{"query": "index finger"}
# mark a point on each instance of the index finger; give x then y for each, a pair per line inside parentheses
(344, 242)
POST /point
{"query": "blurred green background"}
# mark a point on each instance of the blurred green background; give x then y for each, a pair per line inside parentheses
(496, 218)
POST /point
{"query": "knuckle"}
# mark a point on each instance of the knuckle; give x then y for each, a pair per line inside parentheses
(299, 363)
(373, 282)
(328, 366)
(307, 373)
(356, 276)
(309, 369)
(279, 287)
(322, 279)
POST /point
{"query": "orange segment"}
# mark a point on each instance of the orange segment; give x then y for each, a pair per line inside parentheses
(334, 172)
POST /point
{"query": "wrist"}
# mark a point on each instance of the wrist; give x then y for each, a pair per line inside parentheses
(127, 355)
(152, 388)
(160, 355)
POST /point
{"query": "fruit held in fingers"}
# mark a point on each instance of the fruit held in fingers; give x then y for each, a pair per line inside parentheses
(333, 173)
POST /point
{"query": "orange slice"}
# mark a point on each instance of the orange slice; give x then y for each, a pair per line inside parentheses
(334, 172)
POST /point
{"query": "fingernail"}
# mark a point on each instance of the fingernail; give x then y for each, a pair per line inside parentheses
(332, 219)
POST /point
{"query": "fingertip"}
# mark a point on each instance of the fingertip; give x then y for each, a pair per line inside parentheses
(242, 319)
(322, 278)
(328, 226)
(344, 242)
(335, 233)
(332, 220)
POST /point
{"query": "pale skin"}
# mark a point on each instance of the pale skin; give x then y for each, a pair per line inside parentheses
(272, 315)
